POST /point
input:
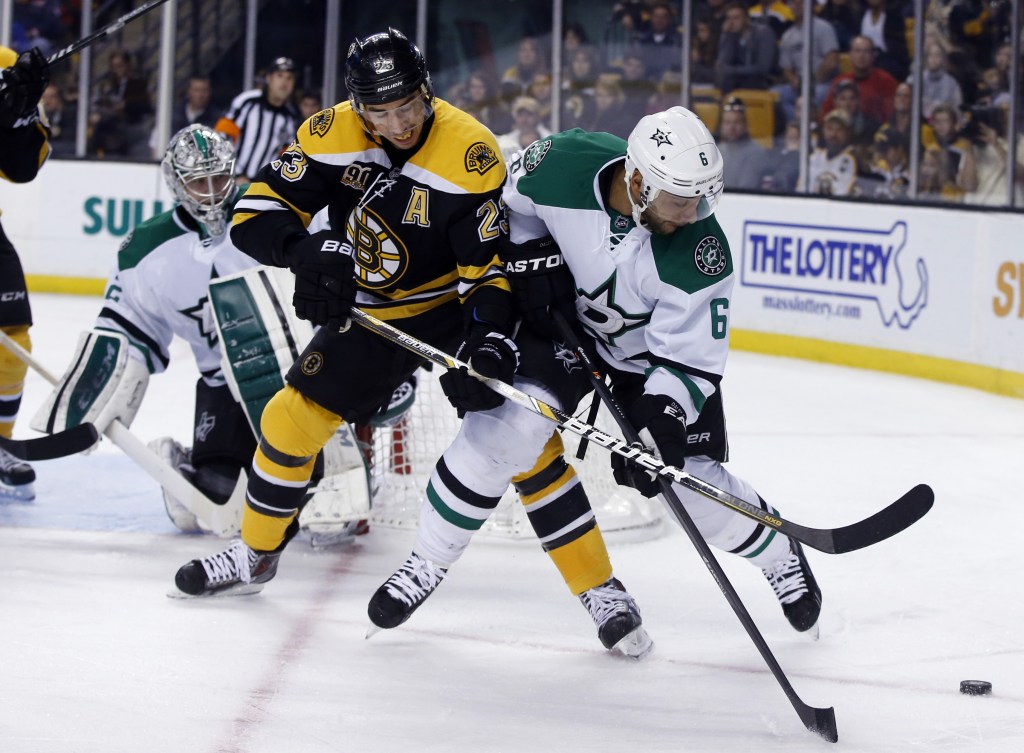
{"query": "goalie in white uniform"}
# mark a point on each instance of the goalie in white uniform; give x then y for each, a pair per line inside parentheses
(650, 286)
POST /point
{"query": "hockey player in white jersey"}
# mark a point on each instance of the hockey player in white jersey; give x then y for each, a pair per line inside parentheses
(160, 289)
(650, 288)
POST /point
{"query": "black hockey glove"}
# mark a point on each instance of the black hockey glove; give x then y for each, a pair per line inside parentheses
(489, 354)
(325, 283)
(540, 281)
(21, 87)
(662, 427)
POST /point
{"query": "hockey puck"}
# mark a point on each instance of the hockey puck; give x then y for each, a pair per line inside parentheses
(975, 687)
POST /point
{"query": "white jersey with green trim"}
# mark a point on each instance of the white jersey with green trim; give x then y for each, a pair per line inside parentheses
(658, 305)
(160, 288)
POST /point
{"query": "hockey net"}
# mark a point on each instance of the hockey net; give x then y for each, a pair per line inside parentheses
(402, 457)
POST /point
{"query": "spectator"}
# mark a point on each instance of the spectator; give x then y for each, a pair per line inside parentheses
(120, 109)
(530, 59)
(262, 121)
(862, 126)
(824, 59)
(540, 90)
(527, 127)
(844, 15)
(776, 14)
(945, 123)
(746, 161)
(900, 121)
(888, 175)
(937, 86)
(992, 159)
(63, 119)
(636, 83)
(483, 103)
(197, 107)
(746, 51)
(882, 23)
(660, 44)
(309, 105)
(833, 168)
(582, 71)
(610, 114)
(784, 161)
(935, 177)
(703, 52)
(877, 87)
(668, 93)
(40, 23)
(574, 37)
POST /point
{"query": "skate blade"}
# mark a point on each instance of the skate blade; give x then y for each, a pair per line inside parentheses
(21, 493)
(635, 645)
(372, 631)
(814, 632)
(242, 589)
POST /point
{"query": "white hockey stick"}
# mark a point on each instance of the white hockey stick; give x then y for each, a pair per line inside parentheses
(222, 520)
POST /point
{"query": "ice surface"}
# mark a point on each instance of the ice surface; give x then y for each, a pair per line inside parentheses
(94, 658)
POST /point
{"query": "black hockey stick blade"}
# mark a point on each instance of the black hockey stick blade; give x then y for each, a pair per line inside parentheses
(68, 442)
(820, 722)
(885, 523)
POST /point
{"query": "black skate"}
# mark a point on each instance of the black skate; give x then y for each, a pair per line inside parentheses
(402, 593)
(16, 477)
(797, 590)
(236, 571)
(617, 617)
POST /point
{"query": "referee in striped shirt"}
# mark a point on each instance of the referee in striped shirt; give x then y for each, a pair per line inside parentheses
(262, 122)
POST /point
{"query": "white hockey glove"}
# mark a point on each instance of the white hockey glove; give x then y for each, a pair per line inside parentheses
(102, 384)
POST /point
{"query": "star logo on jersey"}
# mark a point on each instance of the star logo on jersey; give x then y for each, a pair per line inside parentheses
(599, 313)
(709, 256)
(534, 153)
(661, 138)
(202, 315)
(569, 358)
(204, 426)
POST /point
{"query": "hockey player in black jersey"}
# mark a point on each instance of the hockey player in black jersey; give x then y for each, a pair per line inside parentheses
(413, 190)
(24, 146)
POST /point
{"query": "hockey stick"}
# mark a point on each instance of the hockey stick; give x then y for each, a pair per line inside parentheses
(222, 520)
(899, 515)
(820, 721)
(63, 443)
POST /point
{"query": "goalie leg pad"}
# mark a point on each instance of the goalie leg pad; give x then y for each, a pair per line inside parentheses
(103, 383)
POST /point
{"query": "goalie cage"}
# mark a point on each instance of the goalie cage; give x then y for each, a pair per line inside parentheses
(402, 457)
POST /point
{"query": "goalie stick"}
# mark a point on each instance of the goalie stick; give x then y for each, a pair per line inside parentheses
(896, 517)
(817, 720)
(63, 443)
(222, 520)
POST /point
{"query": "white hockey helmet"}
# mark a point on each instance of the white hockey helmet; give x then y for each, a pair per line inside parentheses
(199, 167)
(676, 153)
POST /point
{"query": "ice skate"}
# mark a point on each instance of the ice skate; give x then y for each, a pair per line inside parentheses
(236, 571)
(179, 458)
(619, 625)
(402, 593)
(16, 477)
(797, 590)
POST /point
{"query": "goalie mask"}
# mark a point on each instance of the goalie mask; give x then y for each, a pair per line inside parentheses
(385, 68)
(679, 163)
(199, 167)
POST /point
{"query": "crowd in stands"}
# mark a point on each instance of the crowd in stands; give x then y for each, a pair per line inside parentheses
(745, 66)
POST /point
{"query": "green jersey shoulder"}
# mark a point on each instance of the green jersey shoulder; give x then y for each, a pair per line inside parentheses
(694, 257)
(560, 170)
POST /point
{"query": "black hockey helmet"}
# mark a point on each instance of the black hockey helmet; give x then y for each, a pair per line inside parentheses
(385, 67)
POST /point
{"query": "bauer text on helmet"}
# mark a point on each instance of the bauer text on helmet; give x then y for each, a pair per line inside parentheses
(677, 159)
(199, 167)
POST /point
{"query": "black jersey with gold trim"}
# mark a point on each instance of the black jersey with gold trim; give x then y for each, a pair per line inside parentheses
(425, 231)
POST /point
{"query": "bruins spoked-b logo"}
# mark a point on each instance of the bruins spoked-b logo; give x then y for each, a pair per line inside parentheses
(480, 158)
(710, 257)
(312, 363)
(320, 123)
(381, 257)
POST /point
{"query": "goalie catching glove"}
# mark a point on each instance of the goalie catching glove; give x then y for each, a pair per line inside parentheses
(661, 423)
(102, 384)
(490, 354)
(325, 283)
(541, 282)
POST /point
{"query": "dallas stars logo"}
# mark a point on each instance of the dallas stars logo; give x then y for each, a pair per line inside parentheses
(661, 138)
(203, 317)
(605, 318)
